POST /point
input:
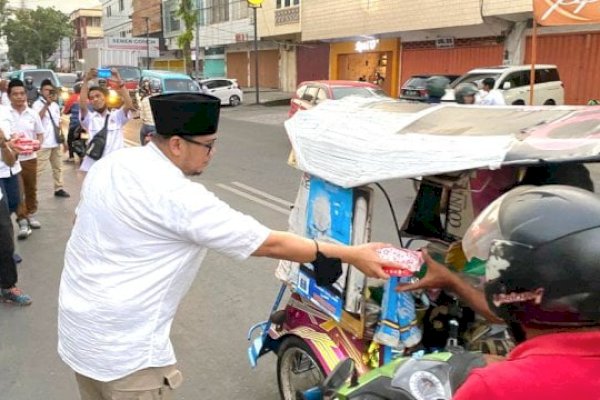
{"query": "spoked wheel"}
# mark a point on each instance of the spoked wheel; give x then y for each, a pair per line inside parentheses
(298, 369)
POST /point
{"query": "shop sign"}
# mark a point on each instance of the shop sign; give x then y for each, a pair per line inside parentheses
(444, 42)
(290, 15)
(566, 12)
(366, 45)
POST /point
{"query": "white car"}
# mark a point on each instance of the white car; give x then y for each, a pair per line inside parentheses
(225, 89)
(514, 83)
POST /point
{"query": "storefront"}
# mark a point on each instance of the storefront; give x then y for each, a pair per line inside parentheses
(449, 56)
(214, 62)
(577, 56)
(373, 60)
(240, 66)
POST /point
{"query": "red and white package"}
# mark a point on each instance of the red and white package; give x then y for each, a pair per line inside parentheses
(25, 145)
(409, 261)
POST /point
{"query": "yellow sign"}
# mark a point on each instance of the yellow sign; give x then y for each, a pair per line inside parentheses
(566, 12)
(255, 3)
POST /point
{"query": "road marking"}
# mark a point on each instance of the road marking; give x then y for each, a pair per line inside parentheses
(250, 189)
(255, 199)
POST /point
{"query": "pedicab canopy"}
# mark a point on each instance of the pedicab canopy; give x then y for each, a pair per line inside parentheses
(355, 141)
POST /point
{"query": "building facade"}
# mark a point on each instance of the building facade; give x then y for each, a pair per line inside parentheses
(87, 27)
(116, 21)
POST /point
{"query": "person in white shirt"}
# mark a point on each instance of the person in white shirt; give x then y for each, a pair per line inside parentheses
(490, 96)
(27, 123)
(141, 232)
(49, 111)
(93, 121)
(4, 100)
(9, 187)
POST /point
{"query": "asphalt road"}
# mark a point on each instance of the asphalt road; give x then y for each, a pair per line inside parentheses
(209, 333)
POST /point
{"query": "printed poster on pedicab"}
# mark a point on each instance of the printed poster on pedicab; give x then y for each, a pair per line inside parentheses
(328, 219)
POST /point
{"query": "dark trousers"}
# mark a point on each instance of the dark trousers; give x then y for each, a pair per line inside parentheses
(12, 191)
(29, 205)
(71, 137)
(8, 268)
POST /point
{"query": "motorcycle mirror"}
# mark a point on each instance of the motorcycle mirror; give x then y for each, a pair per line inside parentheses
(339, 375)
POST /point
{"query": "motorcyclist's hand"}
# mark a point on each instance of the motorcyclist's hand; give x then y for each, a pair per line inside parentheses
(438, 276)
(367, 260)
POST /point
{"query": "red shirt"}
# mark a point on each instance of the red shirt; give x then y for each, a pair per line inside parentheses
(557, 366)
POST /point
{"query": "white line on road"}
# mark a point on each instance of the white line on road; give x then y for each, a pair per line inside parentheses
(250, 189)
(254, 199)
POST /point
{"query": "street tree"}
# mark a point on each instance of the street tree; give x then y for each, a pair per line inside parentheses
(189, 16)
(34, 35)
(3, 15)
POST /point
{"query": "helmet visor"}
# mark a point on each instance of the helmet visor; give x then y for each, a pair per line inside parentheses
(478, 239)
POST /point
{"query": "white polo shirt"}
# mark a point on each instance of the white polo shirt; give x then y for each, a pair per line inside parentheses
(28, 123)
(141, 233)
(492, 98)
(6, 127)
(94, 122)
(49, 137)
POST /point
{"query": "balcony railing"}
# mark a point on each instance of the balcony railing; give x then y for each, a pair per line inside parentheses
(288, 15)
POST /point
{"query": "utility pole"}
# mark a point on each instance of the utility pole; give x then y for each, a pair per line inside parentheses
(147, 42)
(256, 4)
(197, 60)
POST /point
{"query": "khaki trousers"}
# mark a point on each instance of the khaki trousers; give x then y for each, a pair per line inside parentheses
(54, 155)
(146, 384)
(29, 204)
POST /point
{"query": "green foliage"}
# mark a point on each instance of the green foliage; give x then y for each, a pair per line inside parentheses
(189, 16)
(3, 15)
(34, 35)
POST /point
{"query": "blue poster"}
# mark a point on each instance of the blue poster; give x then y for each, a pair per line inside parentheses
(329, 212)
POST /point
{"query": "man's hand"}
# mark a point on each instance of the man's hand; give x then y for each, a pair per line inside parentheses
(91, 74)
(438, 276)
(367, 260)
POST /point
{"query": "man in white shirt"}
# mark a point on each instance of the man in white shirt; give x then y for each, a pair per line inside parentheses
(9, 184)
(49, 113)
(94, 121)
(141, 233)
(26, 123)
(490, 96)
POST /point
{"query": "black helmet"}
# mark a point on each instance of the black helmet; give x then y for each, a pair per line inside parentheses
(463, 90)
(543, 265)
(436, 86)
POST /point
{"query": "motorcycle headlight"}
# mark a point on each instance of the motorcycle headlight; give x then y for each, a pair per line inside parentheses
(426, 386)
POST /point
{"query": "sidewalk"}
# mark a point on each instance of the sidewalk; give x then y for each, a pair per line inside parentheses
(267, 97)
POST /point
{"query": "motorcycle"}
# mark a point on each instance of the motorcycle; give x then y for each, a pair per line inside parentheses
(459, 159)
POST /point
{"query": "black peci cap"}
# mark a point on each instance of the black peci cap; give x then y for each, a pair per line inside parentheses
(192, 114)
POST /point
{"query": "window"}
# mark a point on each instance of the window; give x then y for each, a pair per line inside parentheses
(180, 85)
(174, 22)
(287, 3)
(240, 10)
(220, 11)
(546, 75)
(108, 11)
(121, 5)
(516, 79)
(321, 95)
(300, 91)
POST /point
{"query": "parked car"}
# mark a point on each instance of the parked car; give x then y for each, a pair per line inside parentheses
(514, 83)
(311, 93)
(414, 87)
(170, 82)
(225, 89)
(130, 75)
